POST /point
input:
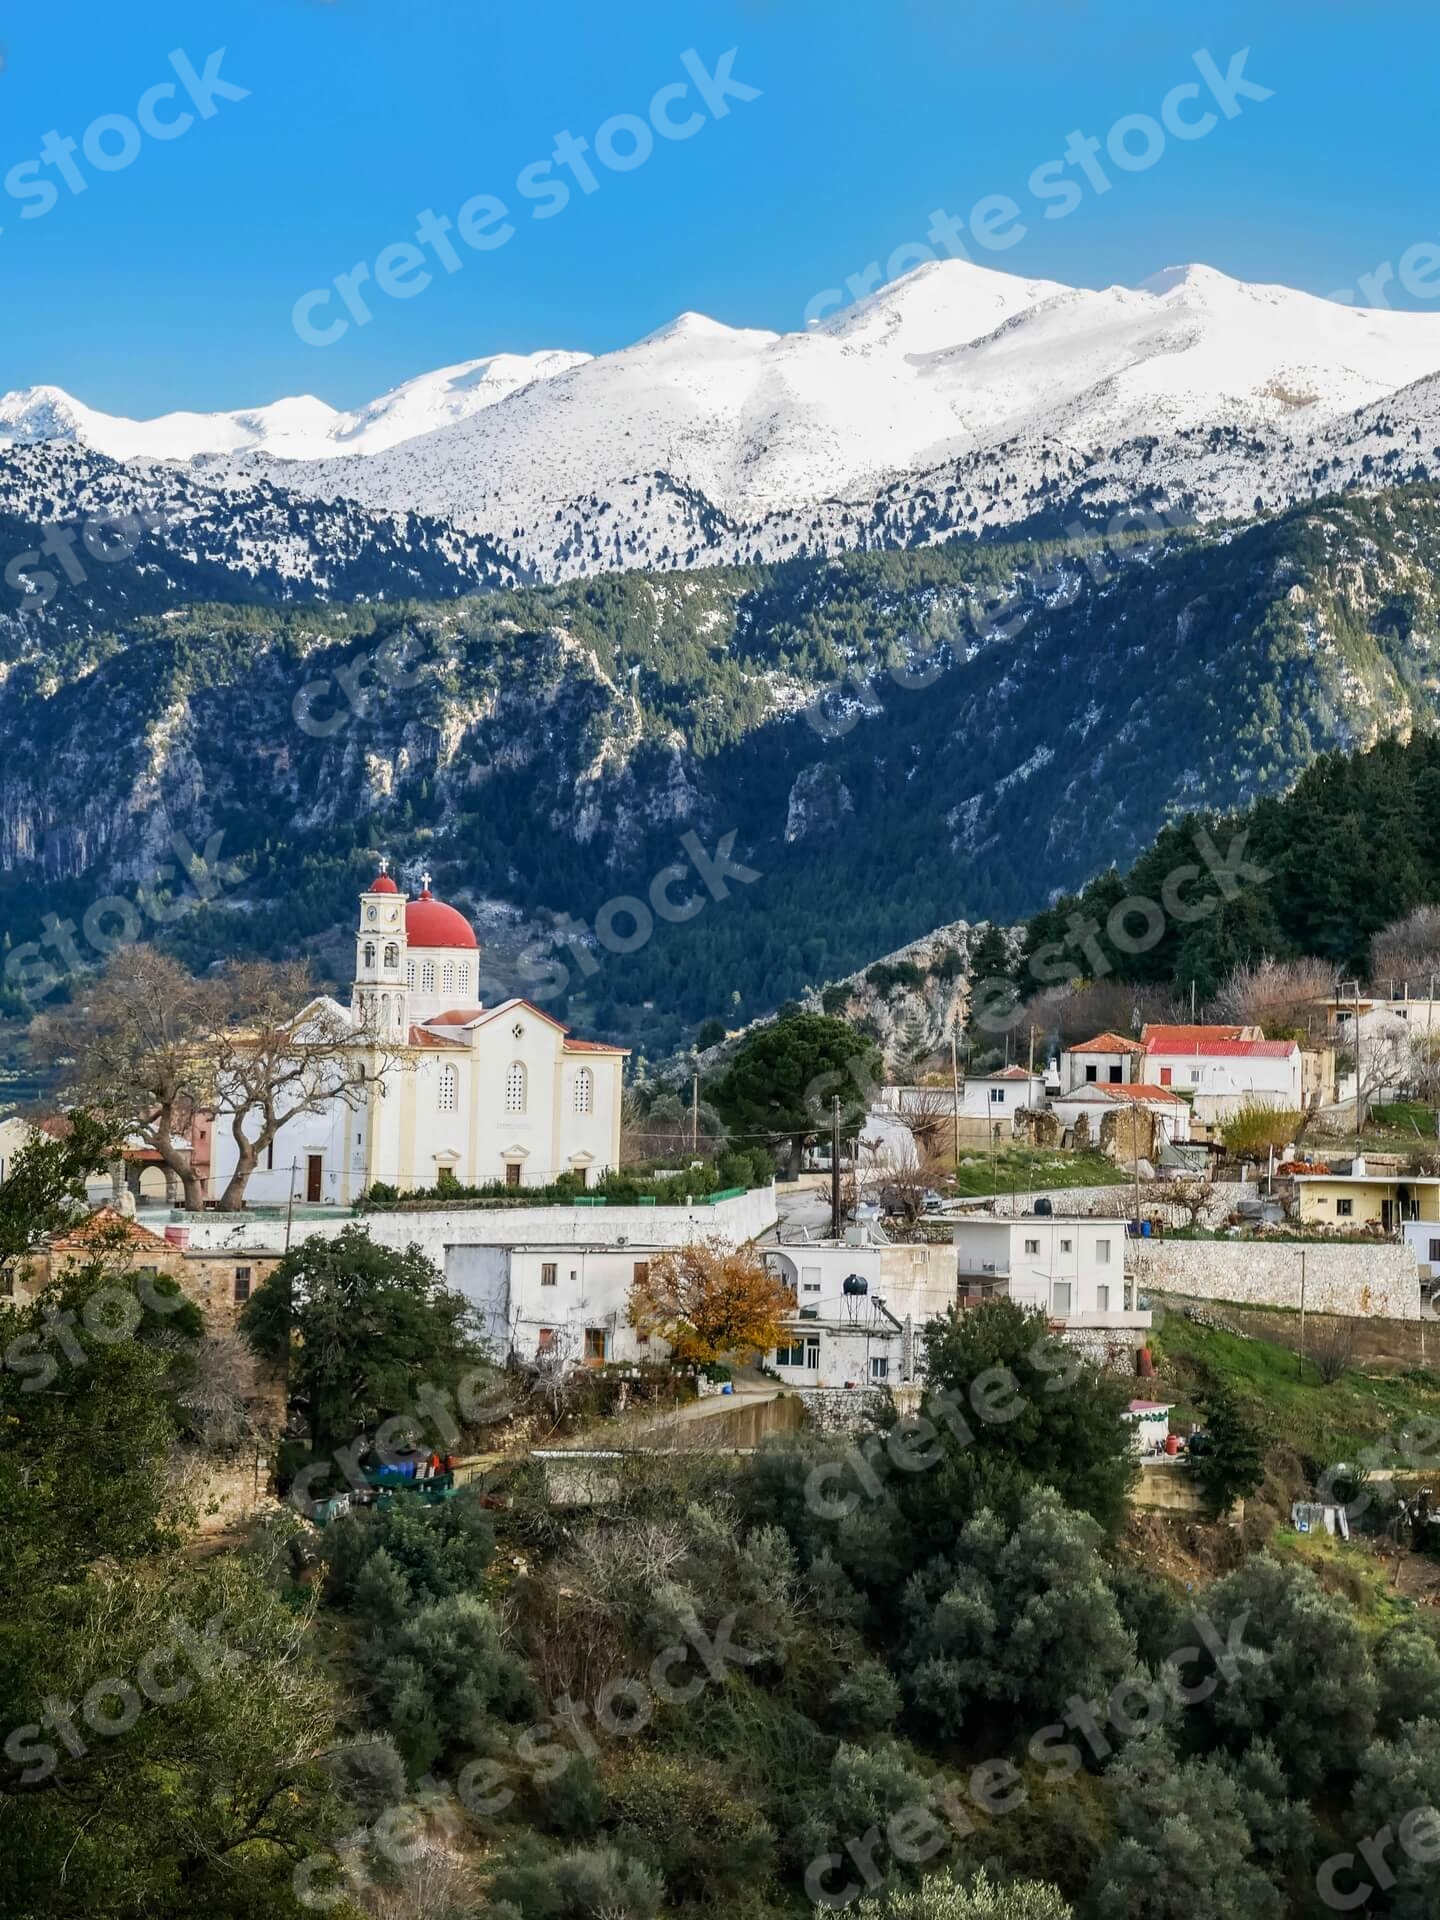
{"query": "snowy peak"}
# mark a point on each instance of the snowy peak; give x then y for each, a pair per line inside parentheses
(989, 395)
(298, 428)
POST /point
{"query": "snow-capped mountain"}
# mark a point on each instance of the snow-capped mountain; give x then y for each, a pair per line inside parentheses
(956, 398)
(302, 428)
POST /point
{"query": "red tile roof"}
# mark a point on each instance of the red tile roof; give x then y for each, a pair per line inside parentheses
(1139, 1090)
(573, 1045)
(106, 1223)
(1160, 1038)
(1231, 1050)
(420, 1038)
(1108, 1043)
(456, 1017)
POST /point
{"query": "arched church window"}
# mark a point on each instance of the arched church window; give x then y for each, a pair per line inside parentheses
(447, 978)
(449, 1089)
(410, 973)
(464, 979)
(369, 955)
(427, 977)
(392, 955)
(584, 1090)
(515, 1088)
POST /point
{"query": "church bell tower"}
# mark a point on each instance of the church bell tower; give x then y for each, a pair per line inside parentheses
(379, 999)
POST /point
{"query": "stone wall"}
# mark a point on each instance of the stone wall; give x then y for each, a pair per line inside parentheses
(840, 1409)
(1118, 1202)
(1348, 1278)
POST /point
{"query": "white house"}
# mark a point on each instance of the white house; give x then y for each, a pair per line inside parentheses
(1071, 1268)
(861, 1310)
(503, 1093)
(1109, 1060)
(1223, 1067)
(569, 1301)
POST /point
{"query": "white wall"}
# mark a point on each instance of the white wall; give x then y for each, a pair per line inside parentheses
(1268, 1081)
(590, 1289)
(1074, 1068)
(435, 1230)
(1040, 1256)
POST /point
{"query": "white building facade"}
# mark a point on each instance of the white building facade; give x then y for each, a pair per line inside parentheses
(1070, 1269)
(483, 1094)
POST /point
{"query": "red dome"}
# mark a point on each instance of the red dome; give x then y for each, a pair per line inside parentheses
(383, 885)
(430, 923)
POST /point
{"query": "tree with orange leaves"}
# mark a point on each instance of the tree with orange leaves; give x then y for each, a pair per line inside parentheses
(709, 1299)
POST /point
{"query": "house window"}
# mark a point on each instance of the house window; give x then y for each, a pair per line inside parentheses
(879, 1366)
(642, 1273)
(546, 1342)
(392, 955)
(449, 1089)
(1102, 1252)
(997, 1096)
(1032, 1246)
(1092, 1074)
(812, 1349)
(594, 1343)
(790, 1356)
(810, 1279)
(447, 978)
(1067, 1246)
(1194, 1076)
(548, 1271)
(1345, 1209)
(584, 1090)
(1115, 1075)
(427, 977)
(1102, 1299)
(1434, 1250)
(369, 956)
(1060, 1299)
(242, 1285)
(515, 1088)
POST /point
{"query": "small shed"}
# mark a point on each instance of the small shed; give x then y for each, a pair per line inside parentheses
(1149, 1425)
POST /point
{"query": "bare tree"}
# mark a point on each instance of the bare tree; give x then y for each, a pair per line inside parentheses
(929, 1112)
(1276, 994)
(275, 1057)
(1407, 952)
(1194, 1195)
(1332, 1348)
(133, 1049)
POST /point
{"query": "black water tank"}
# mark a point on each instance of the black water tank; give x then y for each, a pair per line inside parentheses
(856, 1283)
(1042, 1205)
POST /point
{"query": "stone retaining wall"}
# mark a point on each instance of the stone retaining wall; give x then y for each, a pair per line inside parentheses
(1343, 1278)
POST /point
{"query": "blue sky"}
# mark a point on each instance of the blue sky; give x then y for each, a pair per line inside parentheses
(171, 282)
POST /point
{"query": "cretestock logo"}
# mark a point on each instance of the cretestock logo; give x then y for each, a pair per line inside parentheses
(113, 141)
(622, 143)
(114, 922)
(106, 537)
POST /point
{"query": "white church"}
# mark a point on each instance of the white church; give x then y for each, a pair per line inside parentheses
(503, 1093)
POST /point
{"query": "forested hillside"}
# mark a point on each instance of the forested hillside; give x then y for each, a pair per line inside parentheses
(1353, 848)
(896, 740)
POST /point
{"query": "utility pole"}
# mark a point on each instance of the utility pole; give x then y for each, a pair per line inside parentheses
(955, 1085)
(1032, 1051)
(695, 1114)
(835, 1167)
(1302, 1313)
(290, 1202)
